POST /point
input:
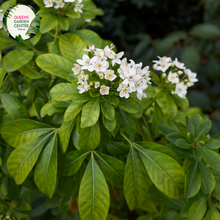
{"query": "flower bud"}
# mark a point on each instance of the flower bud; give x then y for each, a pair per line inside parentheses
(155, 66)
(180, 72)
(164, 75)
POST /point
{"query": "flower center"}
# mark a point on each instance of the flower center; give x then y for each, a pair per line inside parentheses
(103, 89)
(124, 90)
(99, 65)
(180, 89)
(109, 75)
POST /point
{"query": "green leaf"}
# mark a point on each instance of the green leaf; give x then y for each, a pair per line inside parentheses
(90, 113)
(197, 120)
(70, 162)
(72, 111)
(198, 209)
(129, 105)
(2, 75)
(117, 148)
(136, 181)
(166, 129)
(94, 199)
(205, 30)
(173, 137)
(208, 179)
(63, 92)
(22, 160)
(212, 144)
(112, 168)
(190, 125)
(89, 137)
(167, 175)
(193, 181)
(45, 173)
(171, 106)
(48, 109)
(81, 98)
(182, 103)
(64, 135)
(109, 124)
(13, 189)
(15, 59)
(111, 99)
(13, 106)
(190, 57)
(31, 72)
(55, 65)
(183, 143)
(197, 154)
(128, 122)
(71, 47)
(157, 118)
(17, 132)
(63, 22)
(108, 110)
(155, 78)
(204, 128)
(212, 158)
(48, 22)
(89, 37)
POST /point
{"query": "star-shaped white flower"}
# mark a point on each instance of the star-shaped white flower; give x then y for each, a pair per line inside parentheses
(172, 77)
(48, 3)
(59, 4)
(192, 77)
(104, 90)
(109, 75)
(179, 64)
(181, 90)
(76, 69)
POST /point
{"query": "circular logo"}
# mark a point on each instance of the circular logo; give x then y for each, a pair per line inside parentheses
(21, 22)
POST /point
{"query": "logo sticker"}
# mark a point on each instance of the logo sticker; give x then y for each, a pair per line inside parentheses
(21, 22)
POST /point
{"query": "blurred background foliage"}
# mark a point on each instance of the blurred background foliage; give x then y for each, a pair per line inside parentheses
(188, 30)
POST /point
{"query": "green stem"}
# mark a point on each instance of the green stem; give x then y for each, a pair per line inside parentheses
(15, 84)
(125, 138)
(56, 33)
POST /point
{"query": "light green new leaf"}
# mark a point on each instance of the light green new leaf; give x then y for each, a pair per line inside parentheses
(89, 37)
(193, 181)
(94, 199)
(70, 162)
(45, 173)
(208, 179)
(136, 181)
(212, 158)
(15, 59)
(13, 106)
(171, 106)
(63, 92)
(48, 109)
(55, 65)
(72, 111)
(90, 113)
(128, 122)
(129, 105)
(90, 137)
(108, 110)
(64, 135)
(198, 209)
(71, 47)
(48, 22)
(112, 168)
(17, 132)
(166, 173)
(22, 160)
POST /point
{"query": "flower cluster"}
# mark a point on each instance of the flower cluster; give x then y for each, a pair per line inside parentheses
(106, 72)
(1, 18)
(61, 3)
(178, 78)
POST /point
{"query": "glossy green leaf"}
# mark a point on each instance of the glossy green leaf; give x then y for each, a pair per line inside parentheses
(136, 181)
(157, 118)
(193, 181)
(166, 129)
(197, 152)
(81, 98)
(48, 22)
(212, 158)
(171, 106)
(128, 122)
(63, 22)
(71, 47)
(31, 72)
(197, 120)
(90, 113)
(198, 209)
(72, 111)
(212, 144)
(112, 168)
(117, 148)
(94, 199)
(109, 124)
(47, 109)
(111, 99)
(129, 105)
(22, 160)
(55, 65)
(45, 173)
(208, 179)
(70, 162)
(190, 125)
(108, 110)
(13, 106)
(173, 137)
(15, 59)
(17, 132)
(64, 133)
(89, 137)
(63, 92)
(204, 128)
(2, 75)
(183, 143)
(167, 175)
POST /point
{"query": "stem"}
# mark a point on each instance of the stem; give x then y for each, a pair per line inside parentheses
(15, 83)
(125, 138)
(56, 33)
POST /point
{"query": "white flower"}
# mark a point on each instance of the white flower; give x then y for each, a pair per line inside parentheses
(97, 85)
(179, 64)
(100, 65)
(109, 75)
(155, 66)
(78, 7)
(104, 90)
(48, 3)
(88, 20)
(192, 77)
(163, 63)
(1, 19)
(101, 75)
(141, 95)
(131, 77)
(83, 87)
(164, 75)
(124, 91)
(116, 57)
(69, 0)
(187, 71)
(87, 63)
(99, 53)
(189, 84)
(91, 48)
(172, 77)
(163, 66)
(76, 70)
(59, 4)
(141, 86)
(180, 72)
(181, 90)
(85, 77)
